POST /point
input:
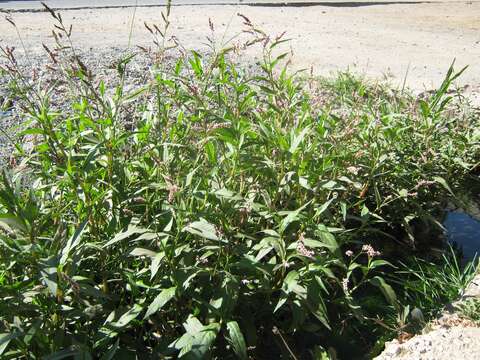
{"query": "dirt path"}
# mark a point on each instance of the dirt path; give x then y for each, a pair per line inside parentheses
(416, 40)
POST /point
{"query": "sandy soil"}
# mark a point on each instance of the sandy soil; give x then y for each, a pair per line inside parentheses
(418, 41)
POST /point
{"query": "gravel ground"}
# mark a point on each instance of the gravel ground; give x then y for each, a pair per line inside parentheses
(451, 336)
(415, 42)
(442, 344)
(102, 63)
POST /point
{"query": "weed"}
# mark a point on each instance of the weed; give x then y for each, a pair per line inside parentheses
(236, 215)
(470, 309)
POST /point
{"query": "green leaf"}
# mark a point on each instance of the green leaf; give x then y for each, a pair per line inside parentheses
(386, 290)
(424, 108)
(444, 183)
(109, 355)
(343, 208)
(164, 297)
(203, 229)
(291, 284)
(127, 317)
(237, 340)
(69, 353)
(224, 299)
(156, 261)
(189, 177)
(227, 194)
(210, 150)
(297, 140)
(332, 185)
(283, 299)
(49, 278)
(73, 242)
(365, 211)
(143, 252)
(192, 325)
(291, 217)
(319, 211)
(196, 342)
(196, 63)
(376, 263)
(316, 303)
(303, 181)
(5, 339)
(328, 240)
(13, 222)
(263, 252)
(319, 353)
(132, 230)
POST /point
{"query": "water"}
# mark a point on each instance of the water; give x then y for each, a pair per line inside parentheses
(463, 231)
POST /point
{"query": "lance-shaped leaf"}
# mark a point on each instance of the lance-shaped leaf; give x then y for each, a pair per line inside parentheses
(236, 339)
(203, 229)
(164, 297)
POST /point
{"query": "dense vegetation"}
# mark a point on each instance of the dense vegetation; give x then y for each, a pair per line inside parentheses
(217, 212)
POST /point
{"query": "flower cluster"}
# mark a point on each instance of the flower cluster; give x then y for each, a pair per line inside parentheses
(425, 183)
(172, 190)
(370, 251)
(302, 250)
(202, 260)
(353, 170)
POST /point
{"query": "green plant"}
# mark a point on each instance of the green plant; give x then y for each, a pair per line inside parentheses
(470, 309)
(426, 284)
(215, 212)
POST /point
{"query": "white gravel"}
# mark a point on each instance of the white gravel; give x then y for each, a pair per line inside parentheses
(450, 337)
(462, 343)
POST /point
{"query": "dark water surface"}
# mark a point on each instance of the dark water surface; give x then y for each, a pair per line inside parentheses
(463, 231)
